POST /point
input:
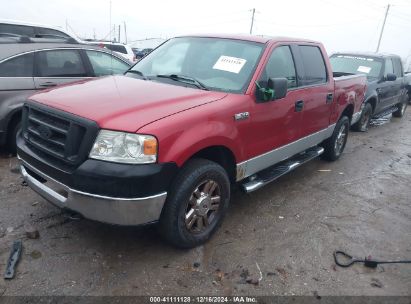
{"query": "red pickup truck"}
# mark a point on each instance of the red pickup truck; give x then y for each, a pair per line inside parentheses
(167, 141)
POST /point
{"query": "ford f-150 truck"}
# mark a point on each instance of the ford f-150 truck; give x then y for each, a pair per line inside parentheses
(386, 88)
(167, 141)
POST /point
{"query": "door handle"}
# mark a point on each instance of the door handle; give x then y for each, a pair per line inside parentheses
(329, 97)
(299, 105)
(47, 84)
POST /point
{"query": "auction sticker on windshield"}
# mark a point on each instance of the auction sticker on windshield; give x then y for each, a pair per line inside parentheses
(363, 69)
(229, 64)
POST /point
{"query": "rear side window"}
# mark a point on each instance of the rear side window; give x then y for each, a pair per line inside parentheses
(389, 67)
(60, 63)
(397, 67)
(50, 33)
(314, 66)
(116, 48)
(105, 64)
(21, 30)
(21, 66)
(280, 65)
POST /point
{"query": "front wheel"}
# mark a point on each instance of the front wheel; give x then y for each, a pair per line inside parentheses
(334, 146)
(401, 110)
(364, 122)
(196, 204)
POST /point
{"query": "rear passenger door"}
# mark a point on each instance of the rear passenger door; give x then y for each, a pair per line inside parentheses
(317, 89)
(398, 84)
(16, 84)
(54, 67)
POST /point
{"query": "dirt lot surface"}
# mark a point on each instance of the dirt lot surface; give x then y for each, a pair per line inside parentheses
(276, 241)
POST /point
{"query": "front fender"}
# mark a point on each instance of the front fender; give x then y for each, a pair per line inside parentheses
(194, 139)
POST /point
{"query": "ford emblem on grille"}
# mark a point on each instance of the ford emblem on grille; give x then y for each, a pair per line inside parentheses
(45, 132)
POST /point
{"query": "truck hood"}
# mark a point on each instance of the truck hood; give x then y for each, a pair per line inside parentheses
(124, 103)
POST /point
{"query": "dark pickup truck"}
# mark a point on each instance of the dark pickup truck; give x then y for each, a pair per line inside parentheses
(387, 85)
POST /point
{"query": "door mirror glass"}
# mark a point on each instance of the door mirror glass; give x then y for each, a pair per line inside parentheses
(279, 86)
(276, 89)
(390, 77)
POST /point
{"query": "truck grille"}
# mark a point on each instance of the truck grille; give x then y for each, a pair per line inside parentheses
(57, 134)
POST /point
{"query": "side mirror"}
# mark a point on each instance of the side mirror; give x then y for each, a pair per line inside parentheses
(276, 89)
(279, 85)
(390, 77)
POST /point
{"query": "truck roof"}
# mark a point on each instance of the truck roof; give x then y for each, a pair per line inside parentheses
(367, 54)
(252, 38)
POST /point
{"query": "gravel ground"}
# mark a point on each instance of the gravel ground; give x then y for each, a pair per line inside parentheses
(276, 241)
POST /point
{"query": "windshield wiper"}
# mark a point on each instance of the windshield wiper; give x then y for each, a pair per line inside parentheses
(138, 73)
(185, 79)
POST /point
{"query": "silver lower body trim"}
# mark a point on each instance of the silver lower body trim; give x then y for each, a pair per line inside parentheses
(111, 210)
(261, 162)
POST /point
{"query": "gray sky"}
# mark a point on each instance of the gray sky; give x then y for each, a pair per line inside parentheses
(349, 25)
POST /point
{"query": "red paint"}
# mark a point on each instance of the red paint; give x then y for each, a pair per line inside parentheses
(186, 120)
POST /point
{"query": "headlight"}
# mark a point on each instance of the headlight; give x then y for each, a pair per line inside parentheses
(123, 147)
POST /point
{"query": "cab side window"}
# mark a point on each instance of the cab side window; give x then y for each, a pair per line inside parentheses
(397, 67)
(280, 65)
(389, 68)
(314, 65)
(20, 66)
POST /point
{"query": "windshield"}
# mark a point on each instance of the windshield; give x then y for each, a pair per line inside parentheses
(219, 64)
(371, 67)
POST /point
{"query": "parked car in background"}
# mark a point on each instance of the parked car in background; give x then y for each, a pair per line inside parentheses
(33, 30)
(140, 53)
(121, 49)
(387, 86)
(28, 67)
(192, 118)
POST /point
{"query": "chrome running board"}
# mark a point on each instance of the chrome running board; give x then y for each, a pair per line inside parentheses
(270, 174)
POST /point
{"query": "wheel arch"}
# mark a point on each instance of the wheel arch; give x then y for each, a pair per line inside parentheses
(220, 154)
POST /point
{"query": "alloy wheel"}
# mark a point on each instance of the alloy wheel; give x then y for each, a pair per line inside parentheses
(203, 205)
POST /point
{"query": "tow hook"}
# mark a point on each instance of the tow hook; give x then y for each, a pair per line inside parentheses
(72, 216)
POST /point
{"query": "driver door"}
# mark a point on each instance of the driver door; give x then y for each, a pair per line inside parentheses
(276, 123)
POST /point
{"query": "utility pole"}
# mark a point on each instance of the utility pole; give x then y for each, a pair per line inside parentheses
(383, 26)
(119, 27)
(252, 21)
(125, 32)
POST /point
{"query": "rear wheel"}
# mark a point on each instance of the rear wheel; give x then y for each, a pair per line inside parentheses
(13, 129)
(334, 146)
(364, 122)
(196, 204)
(401, 109)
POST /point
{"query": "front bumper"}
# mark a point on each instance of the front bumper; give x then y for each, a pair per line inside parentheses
(112, 210)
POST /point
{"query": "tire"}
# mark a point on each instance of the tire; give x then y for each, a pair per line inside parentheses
(364, 122)
(189, 199)
(14, 128)
(402, 107)
(334, 146)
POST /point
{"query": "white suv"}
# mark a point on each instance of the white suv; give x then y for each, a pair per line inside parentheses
(119, 48)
